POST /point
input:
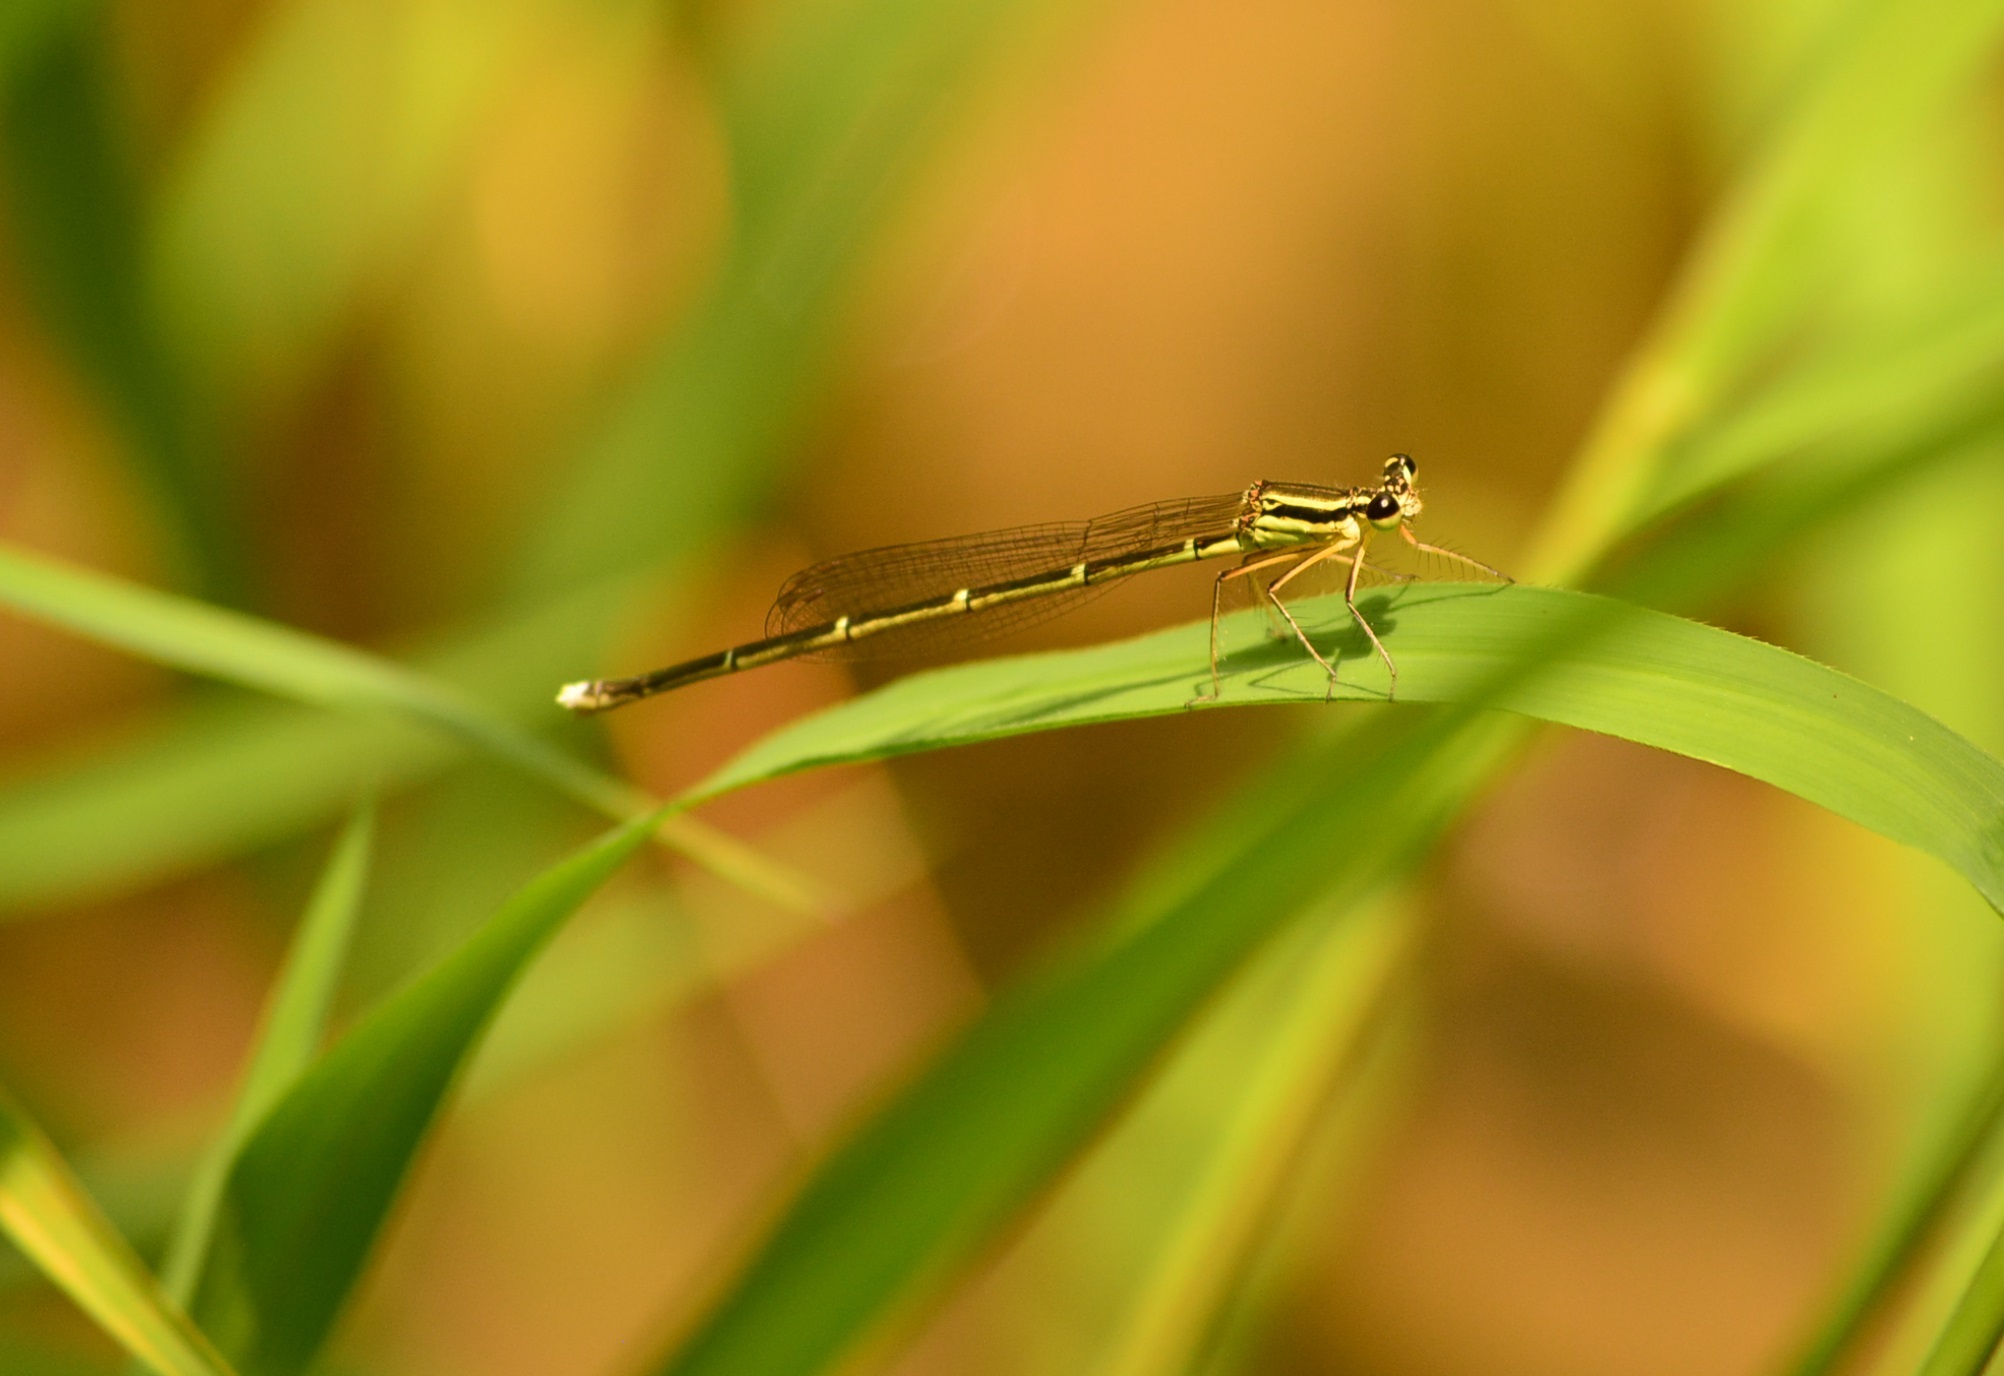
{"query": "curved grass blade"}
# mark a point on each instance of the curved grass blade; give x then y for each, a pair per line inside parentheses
(312, 1187)
(912, 1194)
(214, 777)
(295, 1023)
(207, 783)
(271, 658)
(1569, 658)
(49, 1217)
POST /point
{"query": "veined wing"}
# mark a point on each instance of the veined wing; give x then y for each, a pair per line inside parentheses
(895, 576)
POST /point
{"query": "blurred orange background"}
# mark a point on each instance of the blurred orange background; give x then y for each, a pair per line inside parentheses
(1672, 1032)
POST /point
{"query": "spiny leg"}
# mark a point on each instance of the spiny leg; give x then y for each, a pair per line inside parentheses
(1424, 548)
(1350, 601)
(1253, 564)
(1329, 551)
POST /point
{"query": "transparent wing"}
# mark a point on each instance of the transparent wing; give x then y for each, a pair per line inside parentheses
(877, 580)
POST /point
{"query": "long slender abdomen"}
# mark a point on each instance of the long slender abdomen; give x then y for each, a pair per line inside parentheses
(599, 695)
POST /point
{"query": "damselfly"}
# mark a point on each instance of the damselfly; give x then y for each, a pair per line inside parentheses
(943, 591)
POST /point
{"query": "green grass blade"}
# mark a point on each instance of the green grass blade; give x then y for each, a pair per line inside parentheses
(271, 658)
(1914, 1219)
(981, 1132)
(827, 126)
(1907, 378)
(891, 1212)
(73, 204)
(1970, 1337)
(988, 1122)
(49, 1217)
(1895, 65)
(1601, 666)
(1199, 1169)
(312, 174)
(313, 1185)
(206, 783)
(295, 1023)
(208, 780)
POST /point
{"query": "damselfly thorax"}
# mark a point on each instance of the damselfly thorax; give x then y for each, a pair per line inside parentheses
(908, 597)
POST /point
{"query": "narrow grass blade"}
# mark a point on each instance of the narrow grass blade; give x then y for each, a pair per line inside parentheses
(75, 212)
(310, 175)
(828, 124)
(1586, 661)
(262, 655)
(1905, 378)
(212, 778)
(1970, 1338)
(1200, 1167)
(49, 1217)
(312, 1187)
(955, 1156)
(892, 1212)
(1913, 1219)
(1892, 66)
(295, 1023)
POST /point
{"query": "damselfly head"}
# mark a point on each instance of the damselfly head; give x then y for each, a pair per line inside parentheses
(1396, 501)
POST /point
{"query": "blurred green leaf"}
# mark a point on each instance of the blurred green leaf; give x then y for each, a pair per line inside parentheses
(295, 1023)
(1757, 521)
(311, 1188)
(1193, 1177)
(1753, 275)
(1909, 1226)
(207, 781)
(25, 1358)
(981, 1131)
(828, 125)
(190, 791)
(1901, 379)
(25, 25)
(313, 172)
(1970, 1337)
(49, 1217)
(75, 213)
(929, 1178)
(246, 651)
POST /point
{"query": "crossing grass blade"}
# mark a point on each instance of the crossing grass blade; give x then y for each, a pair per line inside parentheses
(894, 1210)
(46, 1214)
(1204, 1162)
(295, 1023)
(261, 655)
(1890, 67)
(311, 1188)
(1911, 1225)
(973, 1139)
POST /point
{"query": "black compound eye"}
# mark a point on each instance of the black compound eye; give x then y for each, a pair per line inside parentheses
(1383, 507)
(1402, 463)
